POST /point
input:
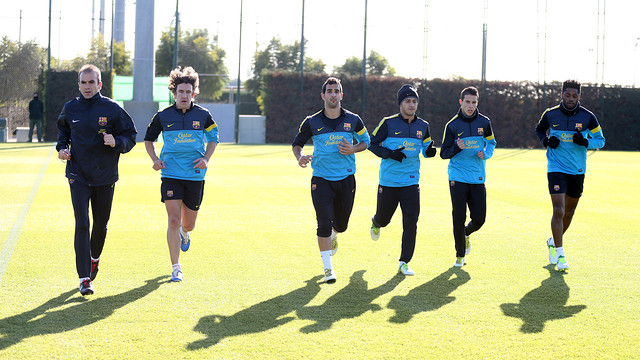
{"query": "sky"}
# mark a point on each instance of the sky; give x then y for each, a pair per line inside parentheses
(594, 41)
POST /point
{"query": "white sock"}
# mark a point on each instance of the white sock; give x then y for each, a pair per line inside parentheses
(94, 260)
(560, 251)
(176, 266)
(326, 259)
(83, 279)
(550, 242)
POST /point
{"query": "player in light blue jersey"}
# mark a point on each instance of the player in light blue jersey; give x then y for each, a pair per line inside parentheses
(572, 130)
(190, 137)
(468, 142)
(399, 140)
(333, 185)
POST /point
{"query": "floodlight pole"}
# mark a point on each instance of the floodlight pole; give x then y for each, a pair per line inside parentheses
(175, 38)
(237, 120)
(302, 60)
(49, 46)
(364, 63)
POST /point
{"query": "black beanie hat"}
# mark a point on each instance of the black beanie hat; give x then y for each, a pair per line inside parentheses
(407, 90)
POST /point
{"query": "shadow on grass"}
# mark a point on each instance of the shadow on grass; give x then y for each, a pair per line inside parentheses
(349, 302)
(259, 317)
(544, 303)
(78, 312)
(429, 296)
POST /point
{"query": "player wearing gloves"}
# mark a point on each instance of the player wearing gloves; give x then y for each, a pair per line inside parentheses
(572, 130)
(468, 142)
(398, 140)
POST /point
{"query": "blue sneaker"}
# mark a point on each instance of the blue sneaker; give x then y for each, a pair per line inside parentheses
(185, 240)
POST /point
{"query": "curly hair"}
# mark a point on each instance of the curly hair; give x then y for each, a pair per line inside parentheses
(571, 84)
(184, 76)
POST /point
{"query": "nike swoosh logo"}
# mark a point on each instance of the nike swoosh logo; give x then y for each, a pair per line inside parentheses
(320, 128)
(170, 125)
(398, 132)
(460, 133)
(554, 125)
(74, 121)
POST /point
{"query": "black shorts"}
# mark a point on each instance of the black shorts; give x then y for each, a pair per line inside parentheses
(561, 183)
(190, 192)
(333, 202)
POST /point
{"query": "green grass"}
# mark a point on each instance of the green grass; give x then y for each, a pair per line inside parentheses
(252, 290)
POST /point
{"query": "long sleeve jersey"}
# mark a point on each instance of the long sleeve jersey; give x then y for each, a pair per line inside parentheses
(395, 132)
(569, 158)
(464, 164)
(327, 133)
(81, 125)
(185, 136)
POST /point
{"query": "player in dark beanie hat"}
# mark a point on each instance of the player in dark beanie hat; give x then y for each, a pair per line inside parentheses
(407, 90)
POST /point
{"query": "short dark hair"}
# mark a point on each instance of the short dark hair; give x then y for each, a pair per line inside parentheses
(571, 84)
(469, 90)
(184, 76)
(331, 81)
(90, 68)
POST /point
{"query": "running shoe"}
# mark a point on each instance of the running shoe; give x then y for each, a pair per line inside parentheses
(459, 262)
(562, 263)
(185, 240)
(467, 245)
(405, 269)
(176, 275)
(329, 276)
(85, 287)
(553, 255)
(94, 269)
(375, 232)
(334, 242)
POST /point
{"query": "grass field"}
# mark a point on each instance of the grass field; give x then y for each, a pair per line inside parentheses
(252, 285)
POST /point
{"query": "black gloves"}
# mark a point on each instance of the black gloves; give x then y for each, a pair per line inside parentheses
(551, 142)
(397, 154)
(580, 140)
(430, 151)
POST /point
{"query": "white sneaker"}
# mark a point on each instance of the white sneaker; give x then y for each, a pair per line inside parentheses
(553, 255)
(467, 245)
(562, 263)
(459, 262)
(375, 232)
(405, 269)
(334, 242)
(329, 276)
(176, 275)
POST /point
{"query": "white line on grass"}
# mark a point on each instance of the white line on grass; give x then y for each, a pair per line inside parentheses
(10, 244)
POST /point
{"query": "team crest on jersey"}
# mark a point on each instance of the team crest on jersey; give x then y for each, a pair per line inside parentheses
(169, 193)
(419, 134)
(347, 126)
(196, 125)
(556, 187)
(480, 131)
(102, 120)
(578, 126)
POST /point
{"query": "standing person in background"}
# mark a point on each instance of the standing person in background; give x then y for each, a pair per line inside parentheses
(333, 185)
(36, 112)
(93, 131)
(399, 140)
(190, 137)
(468, 142)
(572, 130)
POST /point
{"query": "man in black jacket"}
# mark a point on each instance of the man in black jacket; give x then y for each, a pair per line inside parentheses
(93, 131)
(36, 111)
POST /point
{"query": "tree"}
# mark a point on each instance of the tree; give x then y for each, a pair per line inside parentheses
(376, 65)
(277, 56)
(195, 50)
(100, 55)
(20, 66)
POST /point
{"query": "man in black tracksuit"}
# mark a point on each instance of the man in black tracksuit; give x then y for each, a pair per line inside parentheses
(93, 131)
